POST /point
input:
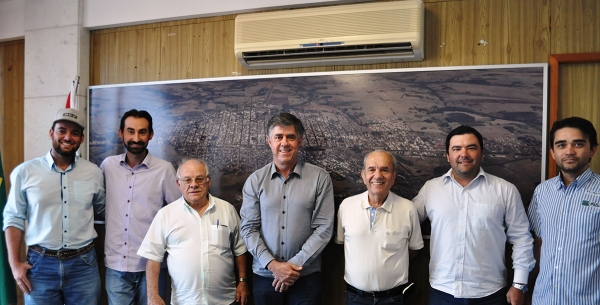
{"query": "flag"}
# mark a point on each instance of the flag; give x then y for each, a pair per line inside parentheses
(72, 101)
(8, 293)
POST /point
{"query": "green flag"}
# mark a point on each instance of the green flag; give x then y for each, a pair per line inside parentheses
(8, 288)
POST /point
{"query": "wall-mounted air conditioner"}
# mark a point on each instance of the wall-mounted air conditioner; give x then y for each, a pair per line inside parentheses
(336, 35)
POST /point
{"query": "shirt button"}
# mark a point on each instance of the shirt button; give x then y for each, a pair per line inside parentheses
(129, 186)
(285, 182)
(65, 231)
(126, 215)
(65, 201)
(128, 200)
(281, 213)
(282, 243)
(124, 256)
(64, 187)
(283, 197)
(65, 216)
(125, 229)
(125, 243)
(283, 227)
(65, 246)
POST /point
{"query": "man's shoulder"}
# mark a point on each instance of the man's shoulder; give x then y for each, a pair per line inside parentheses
(353, 200)
(87, 165)
(493, 179)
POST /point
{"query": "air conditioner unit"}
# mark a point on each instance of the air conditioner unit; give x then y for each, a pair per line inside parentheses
(336, 35)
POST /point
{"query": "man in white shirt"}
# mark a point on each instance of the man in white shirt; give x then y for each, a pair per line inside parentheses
(378, 229)
(473, 214)
(201, 233)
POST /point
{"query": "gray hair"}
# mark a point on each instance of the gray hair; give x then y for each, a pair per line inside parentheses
(394, 161)
(185, 160)
(285, 119)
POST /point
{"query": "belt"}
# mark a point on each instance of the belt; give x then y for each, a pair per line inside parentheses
(399, 290)
(62, 254)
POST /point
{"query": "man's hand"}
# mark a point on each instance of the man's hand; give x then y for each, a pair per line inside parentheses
(19, 271)
(241, 293)
(155, 299)
(285, 274)
(515, 296)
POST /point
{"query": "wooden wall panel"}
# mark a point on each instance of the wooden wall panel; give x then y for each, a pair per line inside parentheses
(575, 26)
(12, 77)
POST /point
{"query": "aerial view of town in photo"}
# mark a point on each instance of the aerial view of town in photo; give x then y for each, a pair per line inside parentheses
(345, 116)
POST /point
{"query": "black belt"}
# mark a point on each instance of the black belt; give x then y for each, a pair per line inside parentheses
(399, 290)
(62, 254)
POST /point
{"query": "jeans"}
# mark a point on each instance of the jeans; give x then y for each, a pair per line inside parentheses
(129, 288)
(437, 297)
(55, 282)
(305, 291)
(353, 299)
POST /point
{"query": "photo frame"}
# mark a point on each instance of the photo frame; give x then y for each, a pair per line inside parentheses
(346, 114)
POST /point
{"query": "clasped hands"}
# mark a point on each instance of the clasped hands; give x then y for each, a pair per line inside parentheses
(285, 274)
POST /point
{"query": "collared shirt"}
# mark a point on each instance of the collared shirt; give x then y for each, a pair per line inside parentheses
(133, 197)
(201, 253)
(289, 220)
(59, 206)
(377, 258)
(469, 229)
(567, 219)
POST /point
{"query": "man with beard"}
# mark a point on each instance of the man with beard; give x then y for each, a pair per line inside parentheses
(58, 196)
(138, 184)
(473, 214)
(565, 215)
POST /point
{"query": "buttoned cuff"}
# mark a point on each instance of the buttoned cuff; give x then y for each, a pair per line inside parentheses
(265, 259)
(521, 276)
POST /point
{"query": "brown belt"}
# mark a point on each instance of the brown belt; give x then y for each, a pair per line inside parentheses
(62, 254)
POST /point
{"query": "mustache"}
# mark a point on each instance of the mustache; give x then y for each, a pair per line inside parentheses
(465, 159)
(134, 143)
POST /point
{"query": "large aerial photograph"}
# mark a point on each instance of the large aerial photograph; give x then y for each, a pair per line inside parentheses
(346, 114)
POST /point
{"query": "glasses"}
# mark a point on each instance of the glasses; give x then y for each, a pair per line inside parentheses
(198, 180)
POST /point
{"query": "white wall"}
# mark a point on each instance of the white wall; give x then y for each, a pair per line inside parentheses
(12, 19)
(100, 14)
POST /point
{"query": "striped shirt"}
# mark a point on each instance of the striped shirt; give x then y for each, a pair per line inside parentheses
(567, 219)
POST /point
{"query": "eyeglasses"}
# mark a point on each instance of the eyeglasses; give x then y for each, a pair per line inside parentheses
(198, 180)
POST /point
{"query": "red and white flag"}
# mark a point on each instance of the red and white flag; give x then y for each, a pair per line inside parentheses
(72, 100)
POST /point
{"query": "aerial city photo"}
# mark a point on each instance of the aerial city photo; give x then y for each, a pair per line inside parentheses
(345, 115)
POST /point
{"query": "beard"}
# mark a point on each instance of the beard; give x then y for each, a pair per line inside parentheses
(135, 150)
(62, 152)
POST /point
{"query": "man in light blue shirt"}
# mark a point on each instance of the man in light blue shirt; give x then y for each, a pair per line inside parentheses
(59, 196)
(565, 219)
(473, 214)
(138, 184)
(287, 219)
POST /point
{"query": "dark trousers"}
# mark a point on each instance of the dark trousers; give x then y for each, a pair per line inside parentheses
(305, 291)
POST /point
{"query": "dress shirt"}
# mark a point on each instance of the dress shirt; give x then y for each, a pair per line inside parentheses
(133, 197)
(567, 219)
(59, 206)
(201, 250)
(289, 220)
(469, 229)
(377, 257)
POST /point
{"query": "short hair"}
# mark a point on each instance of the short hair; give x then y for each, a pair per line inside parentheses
(586, 127)
(191, 159)
(460, 130)
(285, 119)
(140, 114)
(394, 161)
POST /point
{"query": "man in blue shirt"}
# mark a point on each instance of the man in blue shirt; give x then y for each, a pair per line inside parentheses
(287, 219)
(58, 195)
(565, 219)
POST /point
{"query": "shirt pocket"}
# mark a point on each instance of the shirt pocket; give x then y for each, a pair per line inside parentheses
(485, 216)
(83, 191)
(395, 240)
(219, 236)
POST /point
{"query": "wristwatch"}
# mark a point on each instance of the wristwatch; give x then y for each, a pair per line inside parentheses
(241, 279)
(522, 287)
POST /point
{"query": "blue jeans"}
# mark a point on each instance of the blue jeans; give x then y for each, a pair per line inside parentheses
(129, 288)
(354, 299)
(305, 291)
(56, 282)
(437, 297)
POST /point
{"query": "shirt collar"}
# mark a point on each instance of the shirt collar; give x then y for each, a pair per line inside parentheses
(211, 204)
(297, 169)
(579, 181)
(146, 162)
(51, 164)
(448, 176)
(387, 204)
